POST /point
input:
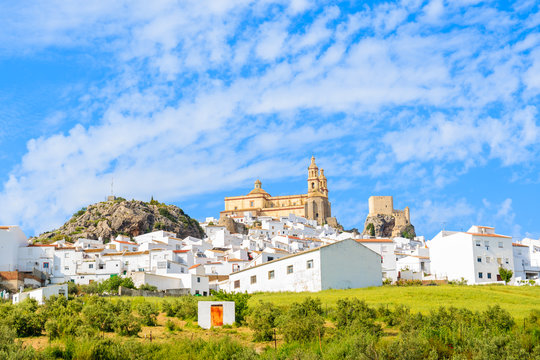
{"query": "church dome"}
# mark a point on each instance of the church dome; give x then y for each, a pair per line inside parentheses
(258, 189)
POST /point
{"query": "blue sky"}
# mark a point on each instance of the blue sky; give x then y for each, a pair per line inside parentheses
(434, 102)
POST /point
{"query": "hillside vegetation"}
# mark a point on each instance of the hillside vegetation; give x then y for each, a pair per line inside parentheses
(123, 217)
(325, 325)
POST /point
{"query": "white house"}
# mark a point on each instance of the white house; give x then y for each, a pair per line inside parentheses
(11, 239)
(527, 259)
(342, 265)
(42, 294)
(475, 255)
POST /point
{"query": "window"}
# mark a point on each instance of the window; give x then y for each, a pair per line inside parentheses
(499, 261)
(45, 265)
(489, 275)
(488, 259)
(204, 293)
(486, 243)
(289, 269)
(309, 264)
(270, 258)
(91, 266)
(479, 259)
(236, 284)
(480, 275)
(478, 243)
(253, 279)
(196, 292)
(251, 203)
(198, 279)
(506, 261)
(500, 244)
(66, 268)
(271, 274)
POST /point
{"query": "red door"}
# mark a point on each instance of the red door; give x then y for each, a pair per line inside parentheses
(216, 315)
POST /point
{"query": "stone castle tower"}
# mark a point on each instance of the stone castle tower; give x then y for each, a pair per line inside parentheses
(317, 206)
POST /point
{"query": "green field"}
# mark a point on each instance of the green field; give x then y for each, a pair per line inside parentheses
(519, 301)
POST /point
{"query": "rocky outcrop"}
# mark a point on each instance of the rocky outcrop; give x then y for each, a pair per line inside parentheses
(233, 226)
(131, 218)
(385, 226)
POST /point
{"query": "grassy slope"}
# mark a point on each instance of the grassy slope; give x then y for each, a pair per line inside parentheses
(519, 301)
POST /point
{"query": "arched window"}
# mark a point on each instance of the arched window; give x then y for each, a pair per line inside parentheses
(313, 185)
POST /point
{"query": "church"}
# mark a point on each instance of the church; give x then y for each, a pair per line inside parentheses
(314, 205)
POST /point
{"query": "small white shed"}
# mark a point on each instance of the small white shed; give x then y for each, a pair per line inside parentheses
(215, 313)
(42, 294)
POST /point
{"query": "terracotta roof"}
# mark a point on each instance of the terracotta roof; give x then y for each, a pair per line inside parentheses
(4, 227)
(490, 235)
(128, 253)
(125, 242)
(235, 260)
(520, 245)
(180, 251)
(194, 266)
(92, 250)
(374, 240)
(42, 245)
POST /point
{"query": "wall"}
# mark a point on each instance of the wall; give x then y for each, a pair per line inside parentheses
(301, 279)
(204, 319)
(452, 256)
(381, 205)
(348, 264)
(11, 239)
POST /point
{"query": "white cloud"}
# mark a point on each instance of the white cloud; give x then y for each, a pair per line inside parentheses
(207, 94)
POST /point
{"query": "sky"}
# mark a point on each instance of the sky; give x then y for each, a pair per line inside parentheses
(433, 102)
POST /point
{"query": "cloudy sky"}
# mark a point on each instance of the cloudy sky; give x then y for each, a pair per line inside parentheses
(434, 102)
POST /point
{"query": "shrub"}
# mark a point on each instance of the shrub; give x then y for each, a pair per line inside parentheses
(303, 322)
(261, 320)
(240, 303)
(148, 287)
(170, 325)
(148, 313)
(356, 315)
(127, 325)
(99, 314)
(370, 228)
(185, 307)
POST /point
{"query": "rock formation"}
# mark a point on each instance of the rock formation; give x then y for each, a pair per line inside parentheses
(233, 226)
(385, 226)
(130, 218)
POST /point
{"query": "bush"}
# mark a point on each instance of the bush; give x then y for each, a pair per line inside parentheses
(25, 320)
(185, 307)
(99, 314)
(240, 303)
(356, 315)
(148, 312)
(127, 325)
(303, 322)
(261, 320)
(148, 287)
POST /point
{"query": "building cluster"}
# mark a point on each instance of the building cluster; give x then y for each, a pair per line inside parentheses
(292, 244)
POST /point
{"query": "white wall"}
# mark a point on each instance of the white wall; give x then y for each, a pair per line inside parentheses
(348, 264)
(204, 317)
(11, 239)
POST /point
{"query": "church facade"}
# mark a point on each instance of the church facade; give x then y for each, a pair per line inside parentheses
(314, 205)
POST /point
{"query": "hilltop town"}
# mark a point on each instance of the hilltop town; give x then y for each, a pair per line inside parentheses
(259, 243)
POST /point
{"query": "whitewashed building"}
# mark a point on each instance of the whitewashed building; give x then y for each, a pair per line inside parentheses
(475, 255)
(11, 240)
(342, 265)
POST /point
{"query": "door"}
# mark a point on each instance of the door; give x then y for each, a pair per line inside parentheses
(216, 315)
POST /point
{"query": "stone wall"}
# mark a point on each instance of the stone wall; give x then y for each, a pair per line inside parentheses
(134, 292)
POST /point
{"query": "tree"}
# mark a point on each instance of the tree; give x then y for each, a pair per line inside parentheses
(370, 229)
(506, 274)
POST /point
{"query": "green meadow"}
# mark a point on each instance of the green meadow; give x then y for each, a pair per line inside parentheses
(519, 301)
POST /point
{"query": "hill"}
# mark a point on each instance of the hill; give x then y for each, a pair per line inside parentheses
(122, 217)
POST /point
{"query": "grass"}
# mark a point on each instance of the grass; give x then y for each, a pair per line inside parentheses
(519, 301)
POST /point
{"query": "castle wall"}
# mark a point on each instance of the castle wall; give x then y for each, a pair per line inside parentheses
(383, 205)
